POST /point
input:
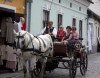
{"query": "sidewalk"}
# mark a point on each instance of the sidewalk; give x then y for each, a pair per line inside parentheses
(12, 75)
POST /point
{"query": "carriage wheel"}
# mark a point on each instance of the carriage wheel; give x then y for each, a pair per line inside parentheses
(37, 69)
(72, 69)
(83, 63)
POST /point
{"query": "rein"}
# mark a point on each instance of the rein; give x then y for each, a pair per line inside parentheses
(33, 49)
(25, 48)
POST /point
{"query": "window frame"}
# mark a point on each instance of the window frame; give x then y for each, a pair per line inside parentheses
(59, 1)
(74, 22)
(70, 5)
(80, 28)
(60, 19)
(80, 8)
(98, 32)
(46, 17)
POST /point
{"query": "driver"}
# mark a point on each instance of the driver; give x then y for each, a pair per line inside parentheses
(49, 29)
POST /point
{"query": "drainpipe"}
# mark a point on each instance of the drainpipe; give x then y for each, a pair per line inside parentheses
(25, 14)
(87, 33)
(28, 14)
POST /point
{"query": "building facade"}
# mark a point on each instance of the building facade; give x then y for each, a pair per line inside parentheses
(93, 31)
(10, 10)
(61, 12)
(16, 5)
(94, 26)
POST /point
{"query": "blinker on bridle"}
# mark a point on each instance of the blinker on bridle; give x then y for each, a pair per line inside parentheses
(19, 37)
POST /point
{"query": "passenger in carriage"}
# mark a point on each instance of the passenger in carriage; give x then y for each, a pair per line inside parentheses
(75, 34)
(75, 38)
(71, 35)
(60, 33)
(67, 36)
(49, 29)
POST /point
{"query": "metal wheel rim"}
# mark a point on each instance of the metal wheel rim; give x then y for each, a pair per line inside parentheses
(73, 69)
(37, 71)
(83, 64)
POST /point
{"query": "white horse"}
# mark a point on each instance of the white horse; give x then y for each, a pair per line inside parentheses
(41, 45)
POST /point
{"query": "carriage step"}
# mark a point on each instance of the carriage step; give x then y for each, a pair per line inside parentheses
(66, 58)
(63, 67)
(63, 59)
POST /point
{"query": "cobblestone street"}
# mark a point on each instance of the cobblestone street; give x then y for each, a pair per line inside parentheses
(93, 70)
(50, 38)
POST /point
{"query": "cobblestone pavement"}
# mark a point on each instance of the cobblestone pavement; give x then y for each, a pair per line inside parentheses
(92, 72)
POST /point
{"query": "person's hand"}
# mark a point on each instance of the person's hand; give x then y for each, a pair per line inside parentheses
(71, 32)
(62, 40)
(49, 33)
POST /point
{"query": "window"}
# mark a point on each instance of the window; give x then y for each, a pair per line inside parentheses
(70, 5)
(79, 8)
(80, 28)
(60, 19)
(98, 32)
(59, 1)
(45, 17)
(74, 22)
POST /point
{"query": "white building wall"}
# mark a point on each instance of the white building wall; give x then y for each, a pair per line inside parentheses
(55, 8)
(96, 25)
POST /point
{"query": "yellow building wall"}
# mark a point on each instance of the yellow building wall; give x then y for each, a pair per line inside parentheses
(19, 4)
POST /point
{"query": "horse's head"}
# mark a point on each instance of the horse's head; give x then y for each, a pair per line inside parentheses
(22, 39)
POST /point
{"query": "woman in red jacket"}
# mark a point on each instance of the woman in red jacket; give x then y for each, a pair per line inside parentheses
(60, 34)
(23, 23)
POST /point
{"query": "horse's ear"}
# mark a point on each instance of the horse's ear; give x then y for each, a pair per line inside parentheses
(15, 33)
(23, 32)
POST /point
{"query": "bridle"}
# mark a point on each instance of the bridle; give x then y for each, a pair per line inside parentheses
(25, 48)
(18, 43)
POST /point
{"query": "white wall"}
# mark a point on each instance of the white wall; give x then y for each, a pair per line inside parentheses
(63, 8)
(96, 25)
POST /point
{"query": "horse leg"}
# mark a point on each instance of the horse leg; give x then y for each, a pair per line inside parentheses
(24, 71)
(32, 75)
(42, 70)
(30, 69)
(32, 63)
(43, 63)
(25, 68)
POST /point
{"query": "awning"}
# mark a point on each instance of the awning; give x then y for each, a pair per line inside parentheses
(6, 10)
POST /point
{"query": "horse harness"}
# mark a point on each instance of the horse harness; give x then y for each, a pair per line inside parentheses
(25, 49)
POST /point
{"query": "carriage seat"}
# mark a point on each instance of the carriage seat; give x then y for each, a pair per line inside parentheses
(59, 49)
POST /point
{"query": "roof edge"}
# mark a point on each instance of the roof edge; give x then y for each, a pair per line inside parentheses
(98, 16)
(90, 1)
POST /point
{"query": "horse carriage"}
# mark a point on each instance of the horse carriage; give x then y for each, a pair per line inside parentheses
(72, 56)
